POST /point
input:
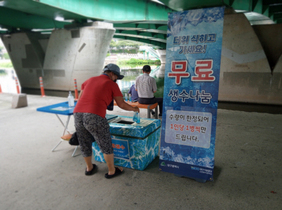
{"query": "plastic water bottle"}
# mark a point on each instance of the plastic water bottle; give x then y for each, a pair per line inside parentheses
(130, 99)
(125, 97)
(136, 117)
(71, 100)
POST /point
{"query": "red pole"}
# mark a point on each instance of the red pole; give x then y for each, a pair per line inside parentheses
(41, 87)
(17, 84)
(75, 90)
(0, 89)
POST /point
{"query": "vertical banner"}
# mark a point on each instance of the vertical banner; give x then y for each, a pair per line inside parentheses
(192, 71)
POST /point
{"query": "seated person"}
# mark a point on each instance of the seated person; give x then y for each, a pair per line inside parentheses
(146, 86)
(134, 95)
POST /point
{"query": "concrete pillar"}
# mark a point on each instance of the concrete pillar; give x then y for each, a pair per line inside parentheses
(77, 53)
(162, 55)
(27, 52)
(67, 54)
(245, 74)
(161, 71)
(278, 70)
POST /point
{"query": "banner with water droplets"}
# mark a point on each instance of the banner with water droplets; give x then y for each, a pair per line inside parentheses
(193, 55)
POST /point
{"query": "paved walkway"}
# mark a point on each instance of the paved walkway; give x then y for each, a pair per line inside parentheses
(248, 172)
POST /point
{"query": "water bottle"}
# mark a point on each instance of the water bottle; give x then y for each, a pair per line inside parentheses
(125, 97)
(136, 117)
(130, 99)
(71, 100)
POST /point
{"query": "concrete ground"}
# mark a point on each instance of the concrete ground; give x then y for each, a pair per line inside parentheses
(248, 172)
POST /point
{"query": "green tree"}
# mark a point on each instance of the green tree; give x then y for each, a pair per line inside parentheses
(6, 56)
(124, 46)
(1, 52)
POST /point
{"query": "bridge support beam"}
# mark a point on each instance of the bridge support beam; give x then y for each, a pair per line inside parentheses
(66, 54)
(162, 54)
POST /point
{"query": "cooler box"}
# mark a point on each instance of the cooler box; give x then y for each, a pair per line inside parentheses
(135, 145)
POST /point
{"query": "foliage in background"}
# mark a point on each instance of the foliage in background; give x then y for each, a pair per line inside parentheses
(124, 43)
(134, 62)
(6, 56)
(124, 46)
(6, 64)
(1, 51)
(3, 72)
(160, 87)
(2, 54)
(128, 51)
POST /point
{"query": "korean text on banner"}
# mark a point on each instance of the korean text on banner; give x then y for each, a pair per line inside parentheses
(193, 55)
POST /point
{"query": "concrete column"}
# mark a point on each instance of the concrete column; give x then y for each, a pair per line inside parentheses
(27, 52)
(66, 54)
(161, 71)
(162, 55)
(77, 53)
(278, 69)
(245, 74)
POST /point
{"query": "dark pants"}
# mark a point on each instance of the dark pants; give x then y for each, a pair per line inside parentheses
(152, 101)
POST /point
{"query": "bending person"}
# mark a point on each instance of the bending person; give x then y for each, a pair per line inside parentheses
(89, 115)
(146, 86)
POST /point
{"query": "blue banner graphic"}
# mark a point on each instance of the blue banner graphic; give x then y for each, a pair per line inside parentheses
(193, 55)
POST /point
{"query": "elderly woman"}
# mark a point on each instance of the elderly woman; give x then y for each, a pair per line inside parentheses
(89, 115)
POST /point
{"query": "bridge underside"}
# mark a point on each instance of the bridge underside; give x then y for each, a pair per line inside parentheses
(62, 40)
(79, 53)
(139, 20)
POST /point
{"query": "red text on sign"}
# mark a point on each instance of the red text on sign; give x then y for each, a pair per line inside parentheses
(179, 70)
(203, 71)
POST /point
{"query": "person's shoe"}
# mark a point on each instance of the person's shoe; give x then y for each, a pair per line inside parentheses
(160, 115)
(89, 173)
(117, 172)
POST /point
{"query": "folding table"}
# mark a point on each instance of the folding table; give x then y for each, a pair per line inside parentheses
(64, 109)
(60, 109)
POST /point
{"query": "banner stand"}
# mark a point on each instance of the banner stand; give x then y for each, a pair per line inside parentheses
(193, 56)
